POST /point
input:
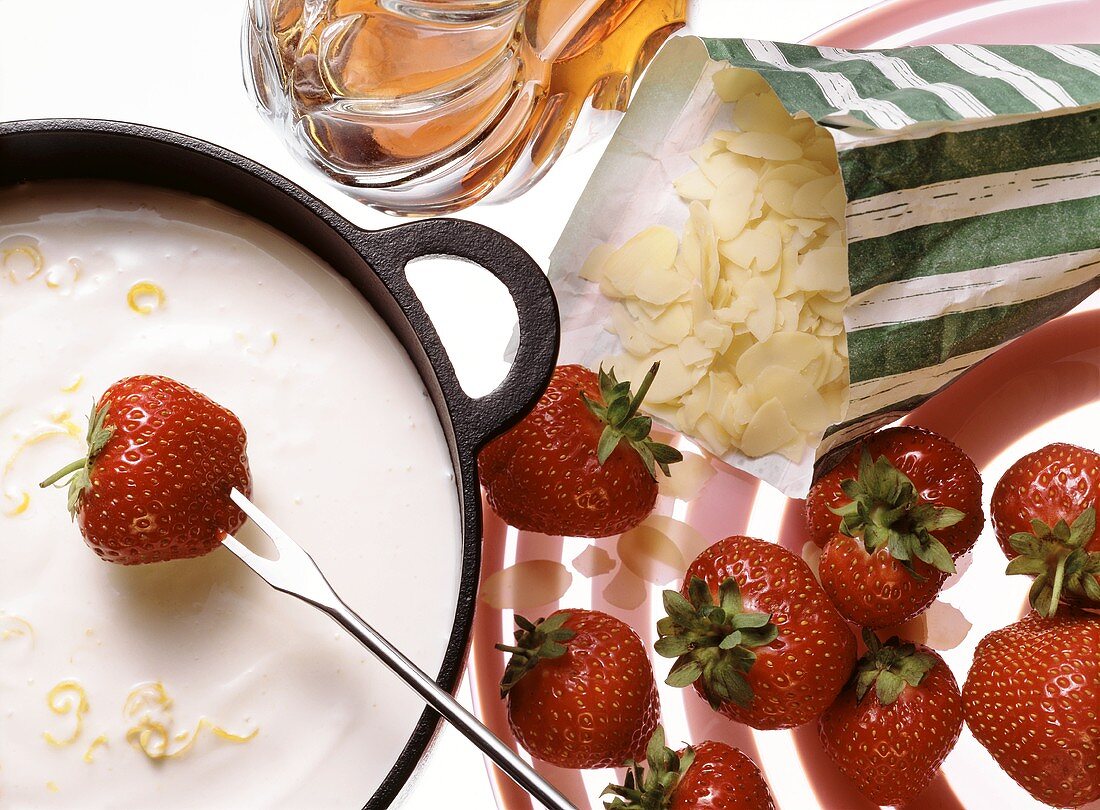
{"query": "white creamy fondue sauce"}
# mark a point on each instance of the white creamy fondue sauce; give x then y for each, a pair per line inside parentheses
(347, 455)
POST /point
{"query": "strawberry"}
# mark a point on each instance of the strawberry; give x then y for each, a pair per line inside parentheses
(773, 652)
(162, 459)
(871, 588)
(882, 564)
(580, 690)
(707, 776)
(937, 473)
(1044, 511)
(891, 740)
(581, 463)
(1032, 698)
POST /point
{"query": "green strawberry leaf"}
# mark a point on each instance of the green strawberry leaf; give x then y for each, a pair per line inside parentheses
(619, 414)
(712, 644)
(79, 472)
(652, 789)
(887, 512)
(890, 667)
(537, 641)
(1057, 557)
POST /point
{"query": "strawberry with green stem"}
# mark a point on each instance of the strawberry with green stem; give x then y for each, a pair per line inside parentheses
(895, 722)
(1044, 513)
(581, 463)
(893, 516)
(580, 689)
(705, 776)
(154, 485)
(755, 635)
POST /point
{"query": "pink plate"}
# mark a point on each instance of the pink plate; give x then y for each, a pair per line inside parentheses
(1044, 387)
(983, 22)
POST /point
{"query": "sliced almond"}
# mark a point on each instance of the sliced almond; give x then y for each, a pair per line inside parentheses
(769, 146)
(704, 152)
(675, 377)
(731, 205)
(693, 352)
(794, 450)
(715, 335)
(802, 403)
(731, 84)
(761, 112)
(652, 249)
(825, 268)
(626, 590)
(630, 333)
(694, 186)
(769, 430)
(811, 554)
(792, 350)
(651, 555)
(834, 202)
(671, 326)
(756, 247)
(720, 165)
(712, 433)
(685, 536)
(947, 627)
(594, 562)
(592, 269)
(525, 585)
(688, 478)
(699, 247)
(660, 287)
(821, 148)
(809, 199)
(828, 310)
(747, 317)
(761, 320)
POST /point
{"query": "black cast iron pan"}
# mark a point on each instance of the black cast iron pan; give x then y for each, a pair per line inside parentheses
(374, 262)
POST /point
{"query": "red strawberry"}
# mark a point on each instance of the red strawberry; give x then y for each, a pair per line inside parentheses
(882, 564)
(773, 653)
(890, 741)
(873, 589)
(1032, 698)
(580, 690)
(941, 475)
(1044, 511)
(581, 463)
(707, 776)
(162, 459)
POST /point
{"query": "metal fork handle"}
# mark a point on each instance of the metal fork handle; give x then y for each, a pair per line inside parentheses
(451, 710)
(296, 573)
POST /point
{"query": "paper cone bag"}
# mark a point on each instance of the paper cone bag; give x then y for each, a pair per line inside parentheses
(715, 235)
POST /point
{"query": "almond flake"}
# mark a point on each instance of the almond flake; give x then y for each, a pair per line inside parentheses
(593, 562)
(732, 203)
(526, 585)
(694, 186)
(626, 590)
(731, 84)
(688, 478)
(592, 269)
(769, 146)
(769, 430)
(651, 555)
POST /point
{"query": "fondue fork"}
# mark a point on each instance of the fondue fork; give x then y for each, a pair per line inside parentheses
(294, 572)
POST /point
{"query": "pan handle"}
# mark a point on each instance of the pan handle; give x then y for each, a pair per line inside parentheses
(476, 421)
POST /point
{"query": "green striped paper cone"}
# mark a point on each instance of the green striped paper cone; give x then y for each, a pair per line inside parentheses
(973, 183)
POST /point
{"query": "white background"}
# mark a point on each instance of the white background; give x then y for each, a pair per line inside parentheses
(177, 65)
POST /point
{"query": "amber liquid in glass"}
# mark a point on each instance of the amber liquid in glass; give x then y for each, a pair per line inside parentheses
(426, 105)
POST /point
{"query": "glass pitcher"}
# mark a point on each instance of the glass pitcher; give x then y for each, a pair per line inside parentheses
(426, 106)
